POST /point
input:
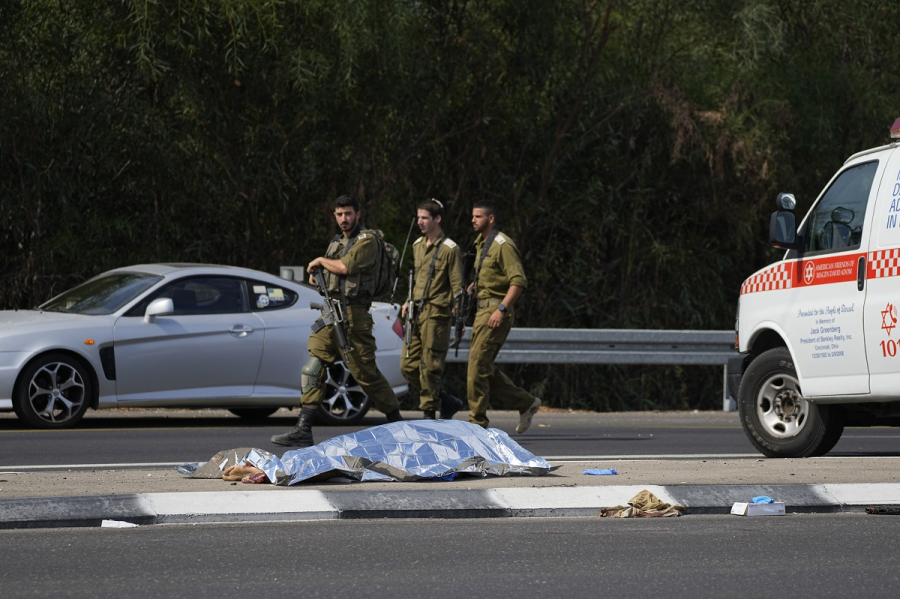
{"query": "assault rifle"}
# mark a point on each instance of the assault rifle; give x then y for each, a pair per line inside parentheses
(459, 324)
(332, 314)
(408, 332)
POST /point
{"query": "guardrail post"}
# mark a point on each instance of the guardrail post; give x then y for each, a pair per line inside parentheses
(729, 404)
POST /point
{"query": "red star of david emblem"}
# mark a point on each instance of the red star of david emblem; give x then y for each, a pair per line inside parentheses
(809, 273)
(889, 318)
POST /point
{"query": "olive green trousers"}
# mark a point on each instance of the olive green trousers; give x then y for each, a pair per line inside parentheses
(422, 363)
(323, 345)
(485, 382)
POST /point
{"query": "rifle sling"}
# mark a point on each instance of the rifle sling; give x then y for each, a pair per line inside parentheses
(484, 251)
(430, 276)
(343, 279)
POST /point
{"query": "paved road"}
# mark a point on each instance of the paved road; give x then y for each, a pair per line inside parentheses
(177, 436)
(120, 465)
(696, 557)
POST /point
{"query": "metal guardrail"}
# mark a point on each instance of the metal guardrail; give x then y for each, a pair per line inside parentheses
(614, 346)
(611, 346)
(602, 346)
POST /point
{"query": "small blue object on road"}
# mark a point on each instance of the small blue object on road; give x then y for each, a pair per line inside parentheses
(762, 499)
(600, 471)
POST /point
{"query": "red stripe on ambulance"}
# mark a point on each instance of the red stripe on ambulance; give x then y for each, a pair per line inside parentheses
(884, 263)
(808, 273)
(773, 278)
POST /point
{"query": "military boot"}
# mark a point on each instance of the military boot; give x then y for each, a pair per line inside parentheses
(450, 405)
(428, 415)
(394, 416)
(301, 435)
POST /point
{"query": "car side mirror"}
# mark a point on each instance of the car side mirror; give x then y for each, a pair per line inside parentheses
(158, 307)
(783, 230)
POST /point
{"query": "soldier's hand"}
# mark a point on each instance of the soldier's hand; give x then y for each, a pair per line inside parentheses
(495, 319)
(313, 264)
(403, 310)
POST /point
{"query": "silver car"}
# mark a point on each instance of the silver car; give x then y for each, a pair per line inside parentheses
(176, 335)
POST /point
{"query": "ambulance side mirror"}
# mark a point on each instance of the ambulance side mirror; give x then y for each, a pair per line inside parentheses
(783, 230)
(783, 224)
(785, 201)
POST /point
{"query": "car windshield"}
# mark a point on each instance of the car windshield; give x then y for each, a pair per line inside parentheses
(103, 295)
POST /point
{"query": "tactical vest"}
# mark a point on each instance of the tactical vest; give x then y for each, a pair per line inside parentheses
(359, 287)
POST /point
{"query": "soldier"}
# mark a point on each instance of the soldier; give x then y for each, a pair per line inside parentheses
(350, 266)
(499, 281)
(437, 280)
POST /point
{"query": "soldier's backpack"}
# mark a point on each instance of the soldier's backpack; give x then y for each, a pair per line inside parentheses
(388, 266)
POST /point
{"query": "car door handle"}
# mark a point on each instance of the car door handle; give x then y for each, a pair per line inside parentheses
(861, 273)
(241, 330)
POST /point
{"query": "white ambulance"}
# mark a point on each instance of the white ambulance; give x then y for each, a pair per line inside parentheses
(818, 331)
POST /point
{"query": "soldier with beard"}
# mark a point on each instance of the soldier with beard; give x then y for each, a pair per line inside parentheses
(499, 281)
(350, 266)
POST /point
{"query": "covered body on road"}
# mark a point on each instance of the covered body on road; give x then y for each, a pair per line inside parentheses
(400, 451)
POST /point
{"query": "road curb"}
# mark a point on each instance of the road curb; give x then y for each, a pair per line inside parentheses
(309, 504)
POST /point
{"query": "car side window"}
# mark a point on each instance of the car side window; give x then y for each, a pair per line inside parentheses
(836, 223)
(265, 296)
(200, 295)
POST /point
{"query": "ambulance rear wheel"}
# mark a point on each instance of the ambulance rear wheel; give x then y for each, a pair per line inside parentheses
(776, 417)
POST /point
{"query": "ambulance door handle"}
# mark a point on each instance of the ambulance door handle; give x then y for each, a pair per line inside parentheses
(861, 273)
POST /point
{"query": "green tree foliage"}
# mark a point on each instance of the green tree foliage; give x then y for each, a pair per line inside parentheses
(634, 147)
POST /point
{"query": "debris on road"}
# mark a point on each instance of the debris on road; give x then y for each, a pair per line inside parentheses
(643, 505)
(762, 505)
(116, 524)
(600, 471)
(891, 510)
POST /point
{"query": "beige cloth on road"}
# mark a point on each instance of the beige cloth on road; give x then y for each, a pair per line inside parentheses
(643, 505)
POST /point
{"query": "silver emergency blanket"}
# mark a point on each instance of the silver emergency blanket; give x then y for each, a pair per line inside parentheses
(403, 451)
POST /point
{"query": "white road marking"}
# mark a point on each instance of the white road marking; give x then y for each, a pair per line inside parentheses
(566, 459)
(10, 469)
(644, 457)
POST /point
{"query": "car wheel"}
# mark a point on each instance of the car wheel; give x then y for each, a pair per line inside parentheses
(53, 392)
(777, 419)
(253, 412)
(343, 401)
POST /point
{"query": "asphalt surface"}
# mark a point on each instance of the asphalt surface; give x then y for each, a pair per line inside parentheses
(177, 436)
(64, 493)
(145, 436)
(807, 555)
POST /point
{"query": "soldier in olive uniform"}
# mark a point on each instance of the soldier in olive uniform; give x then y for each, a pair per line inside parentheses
(350, 267)
(437, 280)
(499, 281)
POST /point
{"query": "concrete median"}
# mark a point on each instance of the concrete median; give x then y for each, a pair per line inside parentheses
(86, 496)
